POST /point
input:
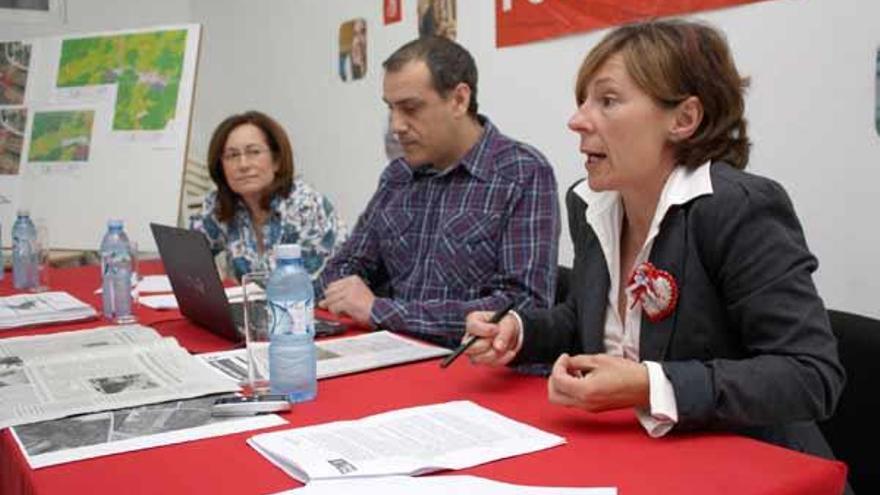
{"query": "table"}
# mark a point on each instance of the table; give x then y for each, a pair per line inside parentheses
(607, 449)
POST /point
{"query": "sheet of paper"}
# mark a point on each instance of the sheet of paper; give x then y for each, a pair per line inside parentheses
(340, 356)
(168, 301)
(159, 301)
(154, 283)
(435, 485)
(412, 441)
(236, 293)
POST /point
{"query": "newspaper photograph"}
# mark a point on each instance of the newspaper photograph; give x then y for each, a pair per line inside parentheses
(47, 307)
(340, 356)
(39, 387)
(49, 443)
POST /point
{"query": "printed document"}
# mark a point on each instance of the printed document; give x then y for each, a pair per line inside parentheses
(435, 485)
(153, 283)
(412, 441)
(59, 441)
(340, 356)
(45, 307)
(46, 377)
(168, 301)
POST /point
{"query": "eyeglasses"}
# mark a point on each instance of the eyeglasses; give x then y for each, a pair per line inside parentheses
(250, 154)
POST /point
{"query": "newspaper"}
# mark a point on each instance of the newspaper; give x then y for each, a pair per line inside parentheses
(339, 356)
(413, 441)
(53, 376)
(49, 443)
(46, 307)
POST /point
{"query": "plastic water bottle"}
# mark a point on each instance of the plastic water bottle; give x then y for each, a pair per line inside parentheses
(292, 353)
(24, 254)
(116, 274)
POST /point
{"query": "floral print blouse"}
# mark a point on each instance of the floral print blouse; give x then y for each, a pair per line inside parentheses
(305, 217)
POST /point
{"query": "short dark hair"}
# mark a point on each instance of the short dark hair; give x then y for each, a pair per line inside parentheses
(448, 62)
(282, 153)
(671, 60)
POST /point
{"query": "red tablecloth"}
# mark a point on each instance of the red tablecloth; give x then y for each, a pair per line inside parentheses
(607, 449)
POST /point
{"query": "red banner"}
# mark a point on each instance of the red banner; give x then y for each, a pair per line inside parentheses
(524, 21)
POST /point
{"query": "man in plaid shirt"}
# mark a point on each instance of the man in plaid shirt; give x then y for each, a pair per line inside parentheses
(466, 220)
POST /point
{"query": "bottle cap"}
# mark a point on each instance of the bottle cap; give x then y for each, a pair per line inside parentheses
(114, 223)
(23, 212)
(288, 251)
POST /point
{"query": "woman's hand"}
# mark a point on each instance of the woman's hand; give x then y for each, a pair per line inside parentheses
(598, 382)
(496, 343)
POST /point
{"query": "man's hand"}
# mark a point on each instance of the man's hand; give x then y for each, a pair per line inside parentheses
(496, 344)
(349, 296)
(598, 382)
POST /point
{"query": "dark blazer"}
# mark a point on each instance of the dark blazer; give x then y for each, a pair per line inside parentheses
(748, 347)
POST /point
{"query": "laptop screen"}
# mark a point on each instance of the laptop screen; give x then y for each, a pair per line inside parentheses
(194, 279)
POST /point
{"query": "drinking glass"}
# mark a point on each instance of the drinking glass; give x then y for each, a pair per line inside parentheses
(257, 317)
(135, 275)
(42, 253)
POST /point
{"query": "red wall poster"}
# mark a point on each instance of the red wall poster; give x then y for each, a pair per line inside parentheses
(524, 21)
(391, 12)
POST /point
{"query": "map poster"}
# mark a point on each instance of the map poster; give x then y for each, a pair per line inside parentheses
(15, 59)
(61, 136)
(525, 21)
(145, 67)
(12, 126)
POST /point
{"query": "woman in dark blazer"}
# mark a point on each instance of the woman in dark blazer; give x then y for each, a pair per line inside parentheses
(692, 298)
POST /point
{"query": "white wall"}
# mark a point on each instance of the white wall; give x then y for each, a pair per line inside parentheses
(103, 15)
(811, 105)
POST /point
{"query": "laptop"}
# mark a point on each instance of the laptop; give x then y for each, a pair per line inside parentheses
(198, 288)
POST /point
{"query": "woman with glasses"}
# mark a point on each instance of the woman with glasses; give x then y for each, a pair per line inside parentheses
(258, 202)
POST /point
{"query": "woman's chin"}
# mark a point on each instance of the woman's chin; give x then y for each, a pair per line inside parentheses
(598, 183)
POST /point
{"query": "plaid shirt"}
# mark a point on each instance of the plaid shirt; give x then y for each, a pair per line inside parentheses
(443, 244)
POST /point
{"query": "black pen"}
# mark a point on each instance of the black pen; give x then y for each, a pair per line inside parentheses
(501, 313)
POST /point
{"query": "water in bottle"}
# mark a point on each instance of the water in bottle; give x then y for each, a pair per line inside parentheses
(116, 274)
(24, 252)
(292, 352)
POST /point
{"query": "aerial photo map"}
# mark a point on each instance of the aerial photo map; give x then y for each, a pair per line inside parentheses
(63, 136)
(146, 67)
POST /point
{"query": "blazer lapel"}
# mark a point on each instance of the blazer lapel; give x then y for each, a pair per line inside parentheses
(667, 254)
(594, 302)
(591, 287)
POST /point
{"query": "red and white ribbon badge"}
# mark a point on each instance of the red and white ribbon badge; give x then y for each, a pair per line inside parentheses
(654, 289)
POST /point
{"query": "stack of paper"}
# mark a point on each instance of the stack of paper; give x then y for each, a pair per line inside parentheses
(413, 441)
(47, 307)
